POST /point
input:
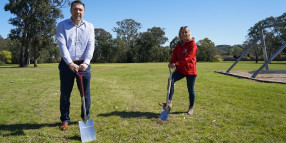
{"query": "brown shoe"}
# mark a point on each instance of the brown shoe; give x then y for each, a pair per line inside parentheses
(190, 111)
(64, 126)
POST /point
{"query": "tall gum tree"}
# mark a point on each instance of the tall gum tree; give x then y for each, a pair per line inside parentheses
(35, 24)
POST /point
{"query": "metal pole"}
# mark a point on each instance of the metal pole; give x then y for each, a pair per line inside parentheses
(270, 59)
(264, 48)
(253, 43)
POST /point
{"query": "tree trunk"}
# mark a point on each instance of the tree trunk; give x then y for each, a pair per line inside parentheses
(25, 50)
(26, 57)
(36, 58)
(36, 62)
(21, 58)
(256, 57)
(36, 55)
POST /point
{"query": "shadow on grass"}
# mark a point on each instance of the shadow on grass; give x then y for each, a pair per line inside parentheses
(3, 67)
(18, 129)
(178, 112)
(131, 114)
(75, 137)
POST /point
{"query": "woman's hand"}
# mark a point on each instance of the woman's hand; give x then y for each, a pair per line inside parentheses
(172, 65)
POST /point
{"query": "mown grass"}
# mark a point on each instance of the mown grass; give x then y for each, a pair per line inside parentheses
(124, 105)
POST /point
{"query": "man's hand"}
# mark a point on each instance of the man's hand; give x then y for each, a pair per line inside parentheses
(74, 67)
(83, 67)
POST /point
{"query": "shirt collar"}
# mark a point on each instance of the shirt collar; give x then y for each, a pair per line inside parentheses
(70, 21)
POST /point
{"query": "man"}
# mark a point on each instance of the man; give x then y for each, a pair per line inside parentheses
(75, 38)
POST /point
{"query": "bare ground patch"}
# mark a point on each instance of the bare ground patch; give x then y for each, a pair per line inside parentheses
(270, 76)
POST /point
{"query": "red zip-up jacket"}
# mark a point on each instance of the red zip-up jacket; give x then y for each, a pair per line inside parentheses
(184, 56)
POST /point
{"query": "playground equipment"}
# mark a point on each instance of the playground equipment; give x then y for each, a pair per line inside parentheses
(267, 61)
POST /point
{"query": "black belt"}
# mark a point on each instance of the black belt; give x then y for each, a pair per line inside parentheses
(78, 62)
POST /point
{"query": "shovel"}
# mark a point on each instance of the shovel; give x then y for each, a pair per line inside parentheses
(166, 110)
(86, 127)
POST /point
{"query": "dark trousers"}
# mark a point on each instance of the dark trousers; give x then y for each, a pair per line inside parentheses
(190, 84)
(67, 81)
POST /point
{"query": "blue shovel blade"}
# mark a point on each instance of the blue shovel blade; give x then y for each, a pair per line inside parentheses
(164, 114)
(87, 131)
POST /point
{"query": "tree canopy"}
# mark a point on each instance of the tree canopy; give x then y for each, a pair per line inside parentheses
(35, 24)
(274, 36)
(149, 43)
(127, 30)
(206, 50)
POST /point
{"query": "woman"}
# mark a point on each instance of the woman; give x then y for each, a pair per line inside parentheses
(184, 59)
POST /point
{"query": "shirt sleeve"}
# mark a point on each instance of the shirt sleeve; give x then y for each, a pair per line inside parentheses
(62, 43)
(90, 46)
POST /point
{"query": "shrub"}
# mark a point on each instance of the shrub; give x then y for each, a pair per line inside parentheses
(5, 57)
(217, 58)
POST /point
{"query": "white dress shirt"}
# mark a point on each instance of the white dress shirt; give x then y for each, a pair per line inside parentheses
(75, 42)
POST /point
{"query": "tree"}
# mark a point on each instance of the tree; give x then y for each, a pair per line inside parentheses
(154, 37)
(224, 49)
(3, 43)
(5, 57)
(108, 49)
(35, 24)
(254, 52)
(127, 30)
(206, 50)
(274, 36)
(282, 29)
(236, 51)
(174, 42)
(103, 46)
(159, 54)
(121, 54)
(61, 3)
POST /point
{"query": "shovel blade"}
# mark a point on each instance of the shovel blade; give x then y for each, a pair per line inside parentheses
(164, 114)
(87, 131)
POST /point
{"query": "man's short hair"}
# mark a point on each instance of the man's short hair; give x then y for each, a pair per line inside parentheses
(77, 2)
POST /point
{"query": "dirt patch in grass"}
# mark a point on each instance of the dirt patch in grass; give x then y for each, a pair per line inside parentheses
(271, 76)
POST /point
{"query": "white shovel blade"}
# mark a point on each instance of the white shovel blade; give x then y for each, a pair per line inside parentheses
(87, 131)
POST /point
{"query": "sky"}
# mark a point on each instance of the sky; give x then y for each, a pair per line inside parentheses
(221, 21)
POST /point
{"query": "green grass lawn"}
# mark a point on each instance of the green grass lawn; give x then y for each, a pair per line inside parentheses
(125, 105)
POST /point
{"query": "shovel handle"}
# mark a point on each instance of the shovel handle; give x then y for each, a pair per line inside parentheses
(81, 82)
(82, 94)
(170, 80)
(172, 71)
